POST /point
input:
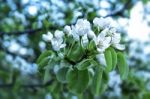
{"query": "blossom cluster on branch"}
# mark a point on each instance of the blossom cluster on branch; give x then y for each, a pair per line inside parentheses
(84, 54)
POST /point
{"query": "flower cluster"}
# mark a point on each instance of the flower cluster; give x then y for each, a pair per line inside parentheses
(80, 54)
(104, 37)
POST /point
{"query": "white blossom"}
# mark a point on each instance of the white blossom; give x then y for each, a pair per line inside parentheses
(67, 30)
(116, 40)
(57, 44)
(82, 27)
(101, 22)
(74, 34)
(102, 42)
(91, 35)
(58, 34)
(85, 40)
(47, 37)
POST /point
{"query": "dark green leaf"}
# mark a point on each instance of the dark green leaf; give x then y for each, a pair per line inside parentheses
(85, 64)
(47, 75)
(76, 52)
(43, 63)
(77, 80)
(44, 55)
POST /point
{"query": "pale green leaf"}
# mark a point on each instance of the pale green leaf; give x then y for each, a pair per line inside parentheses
(122, 65)
(114, 58)
(108, 58)
(61, 74)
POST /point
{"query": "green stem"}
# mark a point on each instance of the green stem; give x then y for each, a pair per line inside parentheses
(71, 48)
(80, 96)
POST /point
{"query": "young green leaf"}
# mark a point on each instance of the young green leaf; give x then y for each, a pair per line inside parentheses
(146, 95)
(77, 80)
(61, 74)
(92, 45)
(108, 58)
(43, 63)
(114, 58)
(97, 80)
(122, 65)
(44, 55)
(76, 53)
(46, 76)
(85, 64)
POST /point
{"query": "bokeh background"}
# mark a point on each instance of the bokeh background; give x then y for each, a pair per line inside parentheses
(22, 23)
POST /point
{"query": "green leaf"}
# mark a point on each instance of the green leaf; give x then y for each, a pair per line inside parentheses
(122, 65)
(61, 74)
(114, 58)
(108, 58)
(97, 80)
(77, 80)
(92, 45)
(85, 64)
(47, 76)
(145, 1)
(146, 95)
(43, 63)
(76, 52)
(44, 55)
(105, 77)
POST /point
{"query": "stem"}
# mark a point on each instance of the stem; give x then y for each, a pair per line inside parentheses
(71, 48)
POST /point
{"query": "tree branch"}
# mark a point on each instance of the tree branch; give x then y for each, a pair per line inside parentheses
(121, 11)
(27, 85)
(29, 31)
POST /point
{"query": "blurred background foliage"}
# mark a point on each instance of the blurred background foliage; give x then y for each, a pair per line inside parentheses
(22, 23)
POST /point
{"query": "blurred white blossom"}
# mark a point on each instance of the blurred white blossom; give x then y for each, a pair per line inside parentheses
(82, 27)
(47, 37)
(101, 22)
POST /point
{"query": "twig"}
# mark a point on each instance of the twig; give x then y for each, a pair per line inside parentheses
(27, 85)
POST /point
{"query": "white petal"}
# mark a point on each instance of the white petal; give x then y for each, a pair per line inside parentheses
(95, 21)
(85, 40)
(116, 38)
(119, 46)
(103, 33)
(62, 45)
(67, 29)
(101, 50)
(107, 40)
(58, 34)
(50, 35)
(101, 22)
(47, 37)
(74, 34)
(101, 59)
(91, 35)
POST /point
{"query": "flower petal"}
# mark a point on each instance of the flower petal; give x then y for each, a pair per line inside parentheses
(119, 46)
(116, 38)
